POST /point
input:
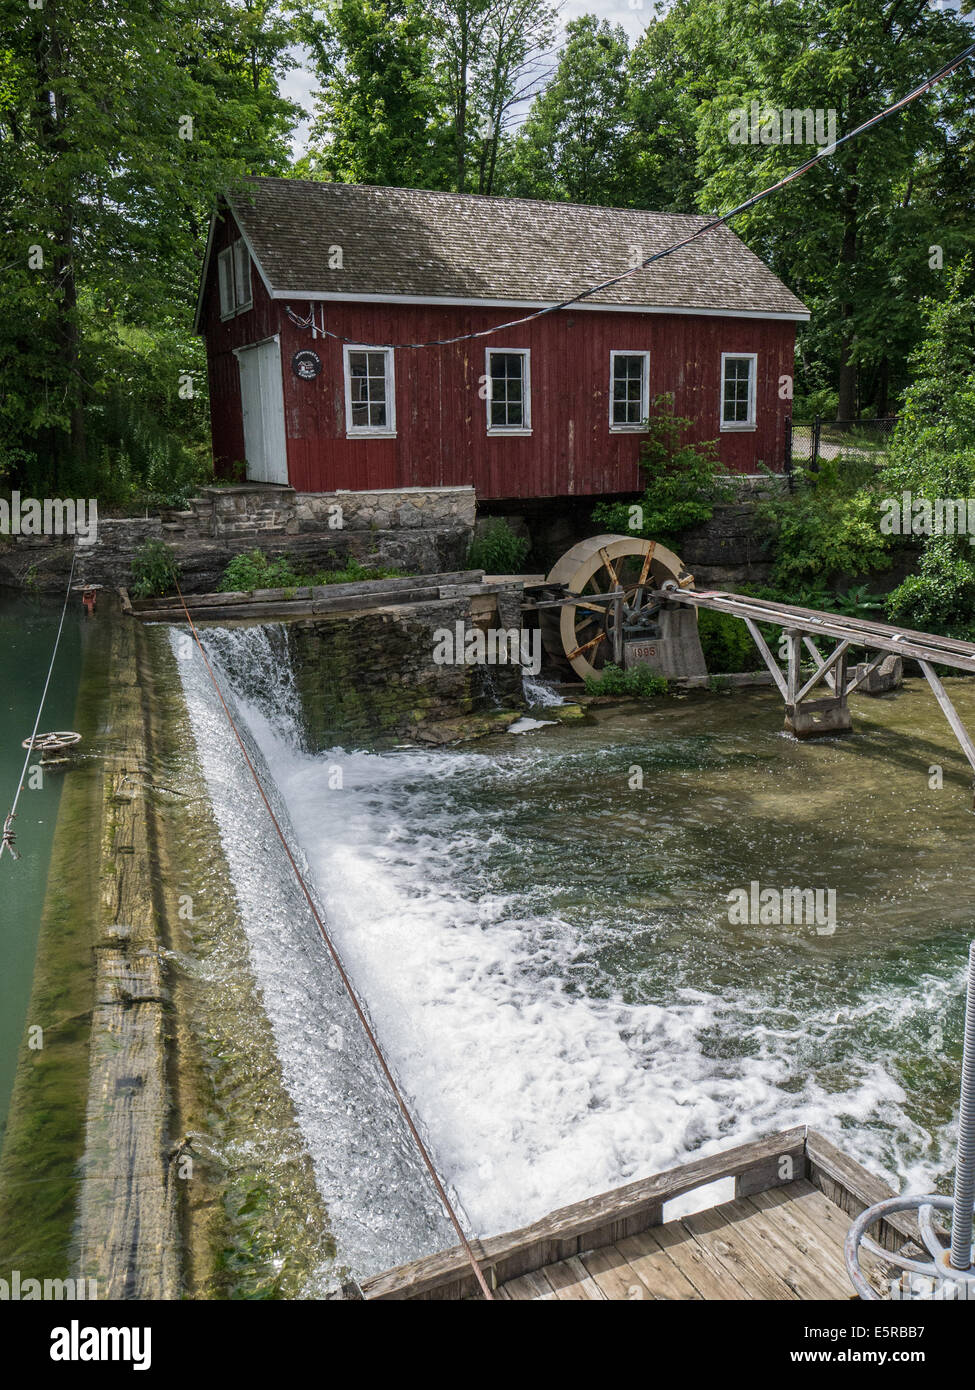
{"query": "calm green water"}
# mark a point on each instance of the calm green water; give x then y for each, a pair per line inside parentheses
(27, 632)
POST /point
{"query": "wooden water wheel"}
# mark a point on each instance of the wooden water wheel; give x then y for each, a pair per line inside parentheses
(581, 632)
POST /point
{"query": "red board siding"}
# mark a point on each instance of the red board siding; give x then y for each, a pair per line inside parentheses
(441, 419)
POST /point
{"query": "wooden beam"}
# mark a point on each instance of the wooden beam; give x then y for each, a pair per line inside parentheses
(853, 1188)
(876, 637)
(598, 1221)
(824, 668)
(794, 641)
(878, 660)
(950, 713)
(767, 657)
(618, 631)
(817, 657)
(780, 613)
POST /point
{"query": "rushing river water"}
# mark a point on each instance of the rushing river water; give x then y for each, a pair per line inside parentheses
(539, 927)
(27, 632)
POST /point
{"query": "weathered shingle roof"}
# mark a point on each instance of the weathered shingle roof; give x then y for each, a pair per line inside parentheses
(403, 241)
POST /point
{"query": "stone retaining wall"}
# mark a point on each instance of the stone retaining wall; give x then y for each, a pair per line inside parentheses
(246, 509)
(372, 675)
(416, 530)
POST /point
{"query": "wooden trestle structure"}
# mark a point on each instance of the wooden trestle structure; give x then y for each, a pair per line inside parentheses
(801, 627)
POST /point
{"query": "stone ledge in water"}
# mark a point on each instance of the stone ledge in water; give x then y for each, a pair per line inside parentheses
(565, 714)
(464, 729)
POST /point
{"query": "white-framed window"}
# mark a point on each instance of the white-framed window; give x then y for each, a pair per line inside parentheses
(738, 371)
(629, 390)
(243, 294)
(509, 405)
(225, 275)
(234, 277)
(370, 399)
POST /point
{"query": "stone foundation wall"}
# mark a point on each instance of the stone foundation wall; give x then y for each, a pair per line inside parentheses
(372, 675)
(246, 510)
(728, 549)
(416, 530)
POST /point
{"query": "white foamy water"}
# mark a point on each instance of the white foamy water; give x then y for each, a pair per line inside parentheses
(539, 692)
(526, 725)
(539, 1075)
(535, 1095)
(381, 1207)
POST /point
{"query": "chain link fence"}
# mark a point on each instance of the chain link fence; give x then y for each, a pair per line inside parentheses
(808, 444)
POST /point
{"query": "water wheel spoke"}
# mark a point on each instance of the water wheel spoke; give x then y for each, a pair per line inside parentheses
(647, 559)
(600, 637)
(608, 565)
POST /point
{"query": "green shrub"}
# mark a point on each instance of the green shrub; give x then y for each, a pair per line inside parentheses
(252, 569)
(826, 530)
(822, 402)
(638, 680)
(353, 573)
(155, 570)
(933, 456)
(497, 550)
(684, 481)
(726, 643)
(940, 597)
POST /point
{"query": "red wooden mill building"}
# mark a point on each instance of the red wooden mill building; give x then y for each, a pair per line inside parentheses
(550, 408)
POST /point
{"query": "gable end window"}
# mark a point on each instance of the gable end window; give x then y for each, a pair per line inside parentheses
(509, 391)
(234, 279)
(629, 390)
(738, 372)
(370, 402)
(243, 295)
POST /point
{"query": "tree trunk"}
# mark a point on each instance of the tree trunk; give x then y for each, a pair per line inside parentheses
(883, 388)
(848, 373)
(460, 115)
(52, 115)
(846, 388)
(492, 166)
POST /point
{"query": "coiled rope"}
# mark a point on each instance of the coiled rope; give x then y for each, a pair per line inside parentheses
(350, 989)
(7, 841)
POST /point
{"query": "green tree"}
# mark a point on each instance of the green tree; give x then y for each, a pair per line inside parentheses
(420, 94)
(117, 133)
(933, 458)
(510, 68)
(667, 80)
(380, 117)
(574, 145)
(853, 236)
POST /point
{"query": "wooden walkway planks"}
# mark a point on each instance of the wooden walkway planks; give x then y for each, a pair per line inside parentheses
(782, 1244)
(781, 1238)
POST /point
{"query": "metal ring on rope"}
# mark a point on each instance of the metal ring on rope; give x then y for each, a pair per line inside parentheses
(52, 743)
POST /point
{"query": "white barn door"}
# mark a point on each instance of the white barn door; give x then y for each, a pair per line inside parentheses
(262, 404)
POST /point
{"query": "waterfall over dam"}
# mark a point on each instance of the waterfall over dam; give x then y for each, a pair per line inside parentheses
(547, 959)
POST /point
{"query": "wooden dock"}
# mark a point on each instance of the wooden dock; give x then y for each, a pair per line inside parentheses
(780, 1238)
